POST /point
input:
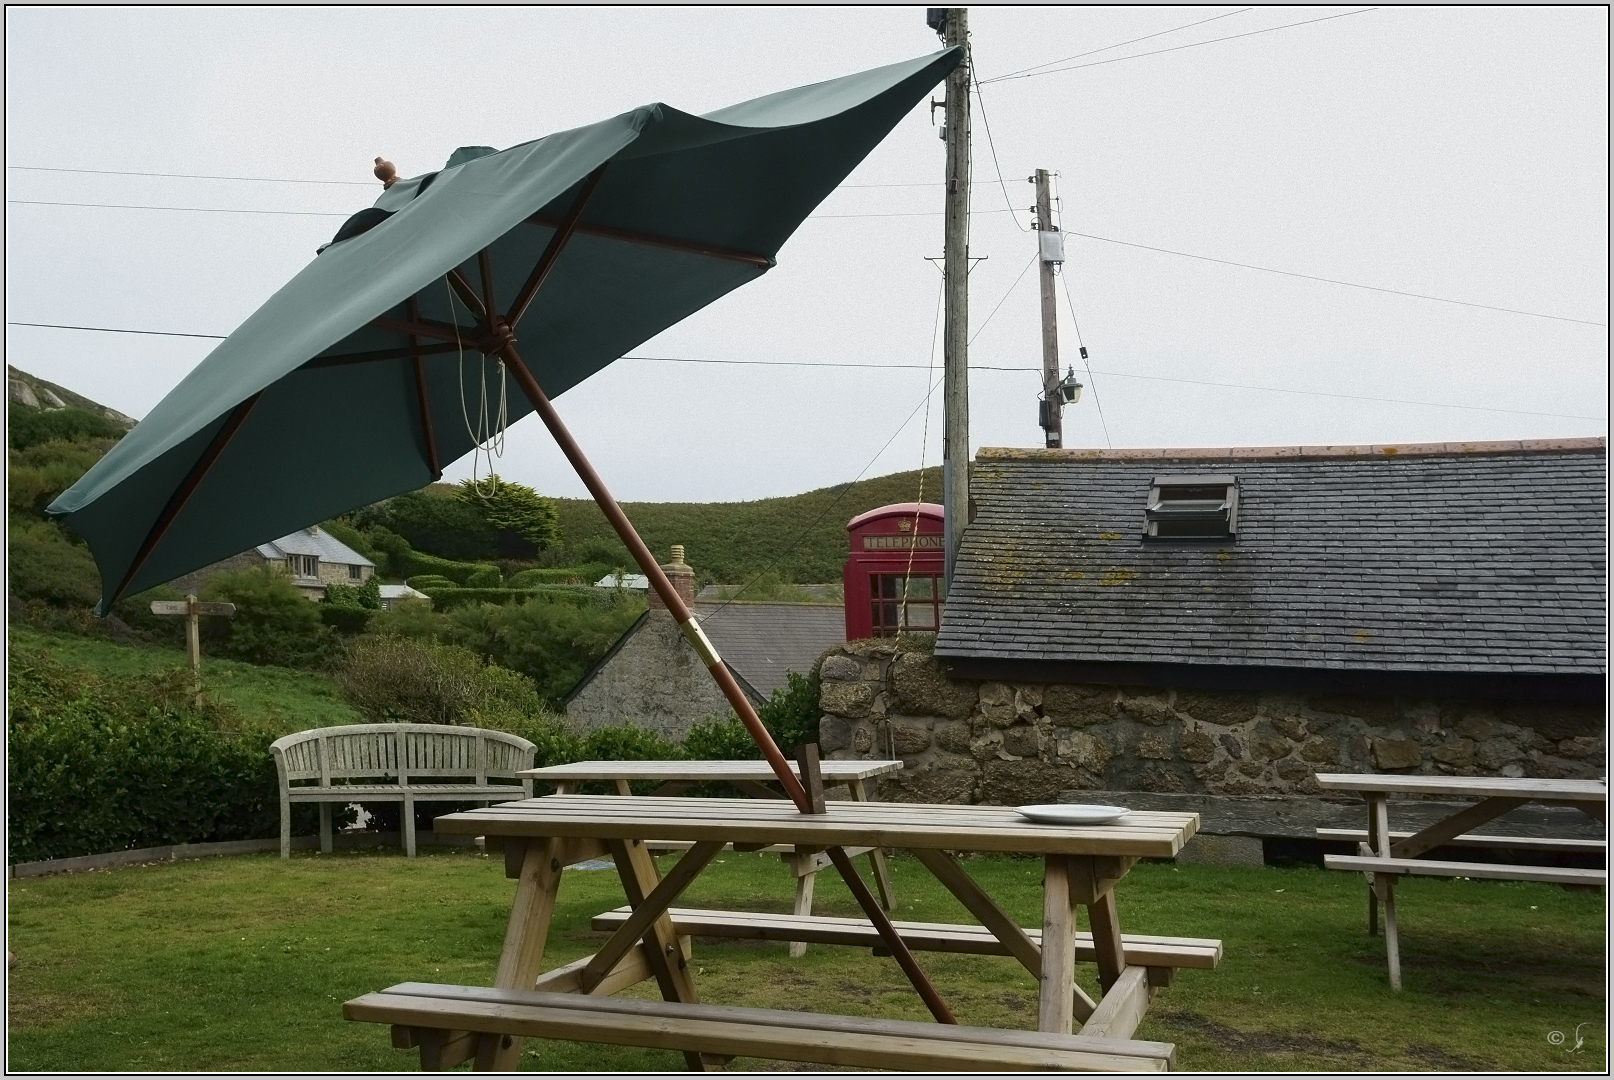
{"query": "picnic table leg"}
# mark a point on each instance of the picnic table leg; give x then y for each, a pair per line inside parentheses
(1058, 947)
(1378, 843)
(882, 879)
(639, 879)
(804, 897)
(524, 940)
(1384, 885)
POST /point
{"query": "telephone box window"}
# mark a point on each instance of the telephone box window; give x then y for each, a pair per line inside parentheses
(893, 611)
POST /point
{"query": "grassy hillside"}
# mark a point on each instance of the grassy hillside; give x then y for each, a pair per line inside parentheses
(732, 542)
(270, 697)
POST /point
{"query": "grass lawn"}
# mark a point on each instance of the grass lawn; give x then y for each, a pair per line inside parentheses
(242, 963)
(273, 697)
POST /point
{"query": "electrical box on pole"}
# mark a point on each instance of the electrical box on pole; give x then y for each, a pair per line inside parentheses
(955, 270)
(1051, 252)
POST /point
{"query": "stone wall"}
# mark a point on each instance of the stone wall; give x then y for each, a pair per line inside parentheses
(654, 680)
(1018, 743)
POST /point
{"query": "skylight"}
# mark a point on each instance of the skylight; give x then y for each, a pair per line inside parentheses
(1188, 507)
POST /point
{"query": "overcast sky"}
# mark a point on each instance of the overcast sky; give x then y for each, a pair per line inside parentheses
(1455, 152)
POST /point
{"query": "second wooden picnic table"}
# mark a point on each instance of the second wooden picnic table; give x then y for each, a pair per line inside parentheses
(752, 778)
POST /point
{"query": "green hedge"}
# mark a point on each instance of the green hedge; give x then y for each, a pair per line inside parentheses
(410, 563)
(107, 764)
(444, 599)
(558, 575)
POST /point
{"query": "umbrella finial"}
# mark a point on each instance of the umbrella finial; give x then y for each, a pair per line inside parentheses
(385, 172)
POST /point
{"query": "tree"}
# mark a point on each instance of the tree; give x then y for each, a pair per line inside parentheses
(515, 509)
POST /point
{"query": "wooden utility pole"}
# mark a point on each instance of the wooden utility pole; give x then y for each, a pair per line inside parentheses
(193, 610)
(1050, 250)
(955, 269)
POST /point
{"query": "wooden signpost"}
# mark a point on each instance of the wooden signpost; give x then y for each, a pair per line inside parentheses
(193, 610)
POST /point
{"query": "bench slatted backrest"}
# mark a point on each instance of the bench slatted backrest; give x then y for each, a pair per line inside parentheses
(402, 751)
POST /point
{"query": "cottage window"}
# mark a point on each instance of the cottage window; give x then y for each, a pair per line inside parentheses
(304, 565)
(894, 611)
(1192, 508)
(355, 572)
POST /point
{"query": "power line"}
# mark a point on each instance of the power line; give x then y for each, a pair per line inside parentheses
(1178, 48)
(993, 146)
(193, 176)
(1000, 303)
(1064, 280)
(188, 209)
(926, 367)
(1119, 44)
(350, 183)
(313, 213)
(1336, 281)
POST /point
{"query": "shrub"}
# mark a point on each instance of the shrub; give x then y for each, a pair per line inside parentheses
(552, 639)
(407, 563)
(41, 472)
(117, 762)
(424, 682)
(27, 426)
(489, 578)
(409, 619)
(47, 565)
(790, 715)
(273, 623)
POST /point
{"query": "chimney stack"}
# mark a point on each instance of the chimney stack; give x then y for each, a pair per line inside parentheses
(682, 577)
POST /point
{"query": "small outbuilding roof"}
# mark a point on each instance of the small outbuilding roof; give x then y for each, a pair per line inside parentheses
(1453, 558)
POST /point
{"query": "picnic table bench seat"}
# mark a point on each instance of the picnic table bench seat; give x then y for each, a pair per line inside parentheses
(1557, 875)
(1141, 950)
(1479, 840)
(424, 1013)
(389, 762)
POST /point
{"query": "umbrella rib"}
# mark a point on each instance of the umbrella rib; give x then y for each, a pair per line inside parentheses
(761, 262)
(546, 261)
(467, 294)
(344, 359)
(425, 403)
(422, 328)
(177, 502)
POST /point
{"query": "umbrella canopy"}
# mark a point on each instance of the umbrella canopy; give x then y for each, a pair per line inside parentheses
(354, 381)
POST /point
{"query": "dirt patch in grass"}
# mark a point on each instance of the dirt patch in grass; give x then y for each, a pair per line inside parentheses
(26, 1009)
(1340, 1054)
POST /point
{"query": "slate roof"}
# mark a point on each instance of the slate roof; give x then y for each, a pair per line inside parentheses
(317, 542)
(759, 641)
(1482, 557)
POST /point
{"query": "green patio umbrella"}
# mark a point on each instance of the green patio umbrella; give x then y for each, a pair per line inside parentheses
(351, 384)
(345, 387)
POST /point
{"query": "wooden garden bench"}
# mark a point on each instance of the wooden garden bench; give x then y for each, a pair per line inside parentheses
(421, 1013)
(1141, 950)
(371, 763)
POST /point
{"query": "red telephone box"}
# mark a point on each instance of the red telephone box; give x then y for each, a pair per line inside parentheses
(893, 578)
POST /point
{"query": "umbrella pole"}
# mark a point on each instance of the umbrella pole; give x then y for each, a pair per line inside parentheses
(725, 679)
(658, 579)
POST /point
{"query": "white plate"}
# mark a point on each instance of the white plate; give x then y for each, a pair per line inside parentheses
(1072, 814)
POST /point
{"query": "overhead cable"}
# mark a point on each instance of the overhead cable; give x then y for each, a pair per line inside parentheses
(926, 367)
(1336, 281)
(1177, 48)
(1119, 44)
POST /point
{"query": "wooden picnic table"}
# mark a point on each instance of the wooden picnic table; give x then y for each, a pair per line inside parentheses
(1082, 866)
(1385, 855)
(751, 777)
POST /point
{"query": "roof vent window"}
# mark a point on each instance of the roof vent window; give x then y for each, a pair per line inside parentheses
(1192, 508)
